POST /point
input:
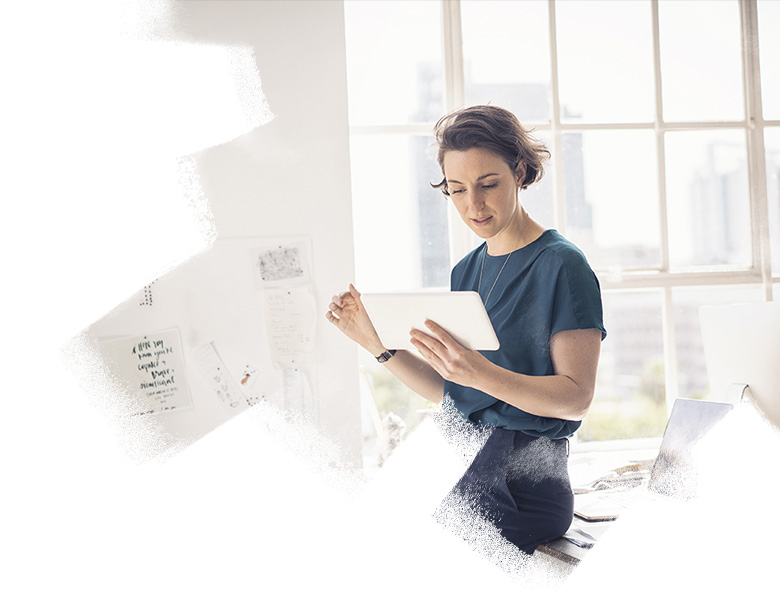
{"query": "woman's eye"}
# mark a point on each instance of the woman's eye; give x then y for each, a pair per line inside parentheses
(456, 191)
(489, 187)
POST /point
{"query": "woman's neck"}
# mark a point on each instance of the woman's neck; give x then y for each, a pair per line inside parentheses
(519, 233)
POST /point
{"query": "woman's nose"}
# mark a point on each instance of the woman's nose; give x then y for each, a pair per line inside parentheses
(476, 200)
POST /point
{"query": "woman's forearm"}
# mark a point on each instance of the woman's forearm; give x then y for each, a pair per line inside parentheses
(347, 312)
(417, 375)
(555, 396)
(565, 394)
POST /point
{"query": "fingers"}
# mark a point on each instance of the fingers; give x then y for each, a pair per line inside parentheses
(356, 295)
(341, 299)
(442, 334)
(439, 342)
(422, 338)
(425, 347)
(428, 346)
(335, 312)
(341, 303)
(350, 295)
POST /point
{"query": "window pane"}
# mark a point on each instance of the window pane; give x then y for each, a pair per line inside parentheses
(605, 61)
(772, 145)
(630, 389)
(394, 63)
(611, 187)
(707, 198)
(701, 62)
(503, 66)
(392, 400)
(691, 365)
(400, 221)
(538, 198)
(769, 55)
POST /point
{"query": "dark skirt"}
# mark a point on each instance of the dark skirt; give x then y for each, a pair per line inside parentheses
(521, 484)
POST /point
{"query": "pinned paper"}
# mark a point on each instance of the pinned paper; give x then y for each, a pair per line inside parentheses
(151, 367)
(222, 388)
(291, 319)
(282, 265)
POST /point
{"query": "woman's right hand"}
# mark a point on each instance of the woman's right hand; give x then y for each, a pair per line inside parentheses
(349, 315)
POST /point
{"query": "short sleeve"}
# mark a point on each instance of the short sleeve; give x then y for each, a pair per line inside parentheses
(577, 303)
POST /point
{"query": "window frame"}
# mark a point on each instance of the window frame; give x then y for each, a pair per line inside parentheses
(665, 277)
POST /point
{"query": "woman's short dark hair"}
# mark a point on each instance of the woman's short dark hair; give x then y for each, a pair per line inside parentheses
(494, 129)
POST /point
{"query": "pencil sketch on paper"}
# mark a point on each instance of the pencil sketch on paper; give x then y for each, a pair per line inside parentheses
(220, 385)
(281, 265)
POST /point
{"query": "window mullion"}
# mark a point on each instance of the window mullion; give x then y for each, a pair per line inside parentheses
(667, 312)
(452, 36)
(559, 192)
(659, 136)
(671, 382)
(461, 241)
(759, 209)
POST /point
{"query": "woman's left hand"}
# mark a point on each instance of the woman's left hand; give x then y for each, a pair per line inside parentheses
(449, 358)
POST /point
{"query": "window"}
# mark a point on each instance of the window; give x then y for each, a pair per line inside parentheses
(662, 119)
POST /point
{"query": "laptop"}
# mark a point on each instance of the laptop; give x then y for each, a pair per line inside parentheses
(673, 473)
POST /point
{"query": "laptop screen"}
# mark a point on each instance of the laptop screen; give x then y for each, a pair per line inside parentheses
(674, 471)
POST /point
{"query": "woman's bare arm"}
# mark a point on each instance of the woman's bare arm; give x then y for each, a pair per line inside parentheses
(567, 394)
(349, 315)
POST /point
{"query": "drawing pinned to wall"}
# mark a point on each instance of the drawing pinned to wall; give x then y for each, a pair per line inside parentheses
(282, 264)
(222, 388)
(151, 367)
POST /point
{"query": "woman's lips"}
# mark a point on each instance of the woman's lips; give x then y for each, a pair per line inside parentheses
(481, 222)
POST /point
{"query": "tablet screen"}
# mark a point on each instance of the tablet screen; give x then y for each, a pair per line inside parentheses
(462, 314)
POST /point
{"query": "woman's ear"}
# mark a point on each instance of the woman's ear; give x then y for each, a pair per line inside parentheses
(520, 174)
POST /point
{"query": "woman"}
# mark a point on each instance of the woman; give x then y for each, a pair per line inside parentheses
(545, 305)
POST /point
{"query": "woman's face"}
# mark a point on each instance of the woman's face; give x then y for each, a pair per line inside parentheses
(484, 191)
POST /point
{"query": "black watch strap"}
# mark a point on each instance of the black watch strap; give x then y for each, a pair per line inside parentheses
(385, 356)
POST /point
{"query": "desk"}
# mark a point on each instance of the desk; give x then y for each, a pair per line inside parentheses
(567, 551)
(588, 461)
(563, 550)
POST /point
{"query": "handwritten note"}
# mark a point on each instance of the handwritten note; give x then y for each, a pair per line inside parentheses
(151, 367)
(290, 317)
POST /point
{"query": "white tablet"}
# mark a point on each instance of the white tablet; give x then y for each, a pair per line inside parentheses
(462, 314)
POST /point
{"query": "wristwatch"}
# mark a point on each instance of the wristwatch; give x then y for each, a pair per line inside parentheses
(385, 356)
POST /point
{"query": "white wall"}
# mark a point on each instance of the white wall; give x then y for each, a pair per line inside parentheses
(291, 176)
(287, 178)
